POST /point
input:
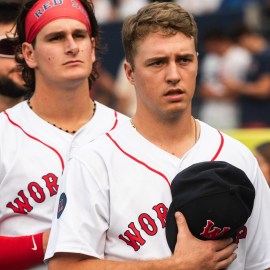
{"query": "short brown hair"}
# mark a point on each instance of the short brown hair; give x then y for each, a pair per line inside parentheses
(167, 17)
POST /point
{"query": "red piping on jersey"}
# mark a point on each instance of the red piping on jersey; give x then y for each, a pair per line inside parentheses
(54, 150)
(220, 147)
(155, 171)
(140, 162)
(116, 120)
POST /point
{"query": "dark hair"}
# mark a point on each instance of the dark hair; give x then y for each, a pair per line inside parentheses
(9, 12)
(167, 17)
(27, 72)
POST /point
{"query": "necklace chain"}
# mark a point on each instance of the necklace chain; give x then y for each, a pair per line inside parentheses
(195, 124)
(131, 122)
(66, 130)
(195, 127)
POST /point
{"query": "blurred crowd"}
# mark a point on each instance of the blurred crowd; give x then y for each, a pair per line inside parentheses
(113, 10)
(234, 73)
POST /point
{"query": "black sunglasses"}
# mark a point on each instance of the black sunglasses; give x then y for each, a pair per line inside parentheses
(7, 46)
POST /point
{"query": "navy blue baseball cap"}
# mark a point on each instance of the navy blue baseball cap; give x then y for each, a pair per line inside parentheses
(215, 197)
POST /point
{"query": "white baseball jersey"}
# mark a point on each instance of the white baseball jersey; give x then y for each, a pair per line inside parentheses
(32, 157)
(116, 208)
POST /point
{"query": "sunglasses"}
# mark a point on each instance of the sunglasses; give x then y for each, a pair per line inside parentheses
(7, 47)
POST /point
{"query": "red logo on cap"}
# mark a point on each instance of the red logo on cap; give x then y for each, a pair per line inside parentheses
(211, 232)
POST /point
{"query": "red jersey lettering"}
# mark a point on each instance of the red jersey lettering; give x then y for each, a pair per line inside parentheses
(51, 183)
(161, 211)
(36, 192)
(132, 239)
(23, 206)
(148, 224)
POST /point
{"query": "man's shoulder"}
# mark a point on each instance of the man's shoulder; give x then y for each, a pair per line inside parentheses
(15, 112)
(213, 137)
(111, 111)
(105, 143)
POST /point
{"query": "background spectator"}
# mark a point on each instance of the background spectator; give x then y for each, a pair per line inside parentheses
(11, 84)
(255, 90)
(223, 59)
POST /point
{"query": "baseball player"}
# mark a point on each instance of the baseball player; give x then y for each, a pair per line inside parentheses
(58, 41)
(114, 215)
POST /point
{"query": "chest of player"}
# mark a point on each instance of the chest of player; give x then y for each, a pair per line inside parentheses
(139, 197)
(29, 174)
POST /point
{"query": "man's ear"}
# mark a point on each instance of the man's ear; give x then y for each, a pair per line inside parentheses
(29, 54)
(129, 72)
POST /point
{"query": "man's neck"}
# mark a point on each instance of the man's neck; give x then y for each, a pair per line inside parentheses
(175, 137)
(68, 110)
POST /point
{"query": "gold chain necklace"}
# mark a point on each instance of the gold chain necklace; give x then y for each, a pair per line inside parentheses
(131, 122)
(195, 127)
(66, 130)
